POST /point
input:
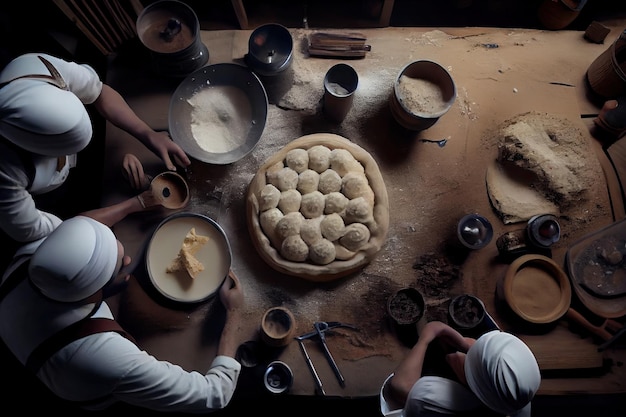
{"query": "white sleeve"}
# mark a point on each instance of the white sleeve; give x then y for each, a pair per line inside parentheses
(109, 364)
(19, 217)
(433, 395)
(388, 408)
(81, 79)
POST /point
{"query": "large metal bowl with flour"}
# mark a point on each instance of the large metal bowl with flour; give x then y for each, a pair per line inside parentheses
(217, 113)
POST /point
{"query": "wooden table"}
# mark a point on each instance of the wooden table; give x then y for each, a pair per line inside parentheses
(499, 73)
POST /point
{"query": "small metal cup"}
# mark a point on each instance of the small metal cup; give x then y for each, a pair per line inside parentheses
(340, 83)
(278, 377)
(474, 231)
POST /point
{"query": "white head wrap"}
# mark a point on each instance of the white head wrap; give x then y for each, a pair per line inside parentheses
(38, 116)
(503, 373)
(75, 260)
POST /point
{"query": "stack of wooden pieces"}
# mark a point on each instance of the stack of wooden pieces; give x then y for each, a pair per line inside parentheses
(349, 45)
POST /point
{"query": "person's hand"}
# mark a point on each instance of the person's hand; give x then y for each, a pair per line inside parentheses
(148, 200)
(449, 339)
(231, 292)
(167, 149)
(133, 172)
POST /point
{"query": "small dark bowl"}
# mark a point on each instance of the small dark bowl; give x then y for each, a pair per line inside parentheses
(270, 49)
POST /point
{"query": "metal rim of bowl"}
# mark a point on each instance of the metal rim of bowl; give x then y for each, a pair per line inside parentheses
(186, 12)
(252, 87)
(174, 216)
(477, 301)
(265, 68)
(443, 74)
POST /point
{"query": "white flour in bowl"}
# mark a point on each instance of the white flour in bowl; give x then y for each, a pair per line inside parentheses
(221, 117)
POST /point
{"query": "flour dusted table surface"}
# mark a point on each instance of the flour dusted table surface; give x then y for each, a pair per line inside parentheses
(499, 73)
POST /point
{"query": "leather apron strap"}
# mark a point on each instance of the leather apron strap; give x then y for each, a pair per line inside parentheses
(54, 78)
(78, 330)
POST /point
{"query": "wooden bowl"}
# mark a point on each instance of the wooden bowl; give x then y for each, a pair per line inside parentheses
(278, 326)
(537, 289)
(170, 189)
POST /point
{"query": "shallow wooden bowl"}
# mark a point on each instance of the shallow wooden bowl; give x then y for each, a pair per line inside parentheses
(537, 289)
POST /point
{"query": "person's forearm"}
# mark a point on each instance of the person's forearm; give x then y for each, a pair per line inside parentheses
(114, 108)
(112, 214)
(408, 372)
(228, 343)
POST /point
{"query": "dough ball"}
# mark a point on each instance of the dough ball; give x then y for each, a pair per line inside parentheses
(356, 184)
(342, 161)
(332, 227)
(289, 225)
(342, 253)
(356, 235)
(297, 159)
(336, 202)
(319, 158)
(268, 197)
(271, 174)
(322, 252)
(358, 210)
(294, 249)
(330, 182)
(312, 205)
(308, 181)
(269, 219)
(285, 179)
(310, 230)
(290, 201)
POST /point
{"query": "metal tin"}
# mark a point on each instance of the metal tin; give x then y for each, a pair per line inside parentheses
(171, 31)
(429, 71)
(270, 49)
(278, 377)
(543, 230)
(474, 231)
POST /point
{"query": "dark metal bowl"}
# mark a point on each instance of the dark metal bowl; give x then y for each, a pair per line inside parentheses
(238, 79)
(270, 49)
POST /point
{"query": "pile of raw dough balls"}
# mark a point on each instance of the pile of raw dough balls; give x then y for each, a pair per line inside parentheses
(317, 205)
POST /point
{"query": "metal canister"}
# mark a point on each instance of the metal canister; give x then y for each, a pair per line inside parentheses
(171, 31)
(543, 230)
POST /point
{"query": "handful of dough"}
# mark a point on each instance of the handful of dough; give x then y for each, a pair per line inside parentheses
(186, 260)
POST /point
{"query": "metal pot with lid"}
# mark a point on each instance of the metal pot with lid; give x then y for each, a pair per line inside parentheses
(171, 31)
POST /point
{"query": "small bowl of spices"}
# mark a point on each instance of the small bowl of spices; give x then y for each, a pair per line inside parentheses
(406, 308)
(422, 92)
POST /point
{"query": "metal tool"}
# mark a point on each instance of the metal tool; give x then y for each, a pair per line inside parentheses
(320, 329)
(309, 362)
(328, 325)
(619, 330)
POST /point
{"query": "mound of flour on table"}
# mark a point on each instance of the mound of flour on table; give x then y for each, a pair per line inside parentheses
(545, 165)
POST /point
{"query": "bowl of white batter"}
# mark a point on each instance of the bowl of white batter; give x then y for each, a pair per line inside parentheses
(218, 113)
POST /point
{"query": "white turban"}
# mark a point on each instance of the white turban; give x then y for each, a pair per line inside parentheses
(503, 373)
(75, 260)
(40, 117)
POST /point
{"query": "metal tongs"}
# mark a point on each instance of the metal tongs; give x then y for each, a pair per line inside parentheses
(321, 327)
(351, 45)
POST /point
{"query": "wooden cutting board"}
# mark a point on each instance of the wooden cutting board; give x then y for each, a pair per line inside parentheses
(555, 351)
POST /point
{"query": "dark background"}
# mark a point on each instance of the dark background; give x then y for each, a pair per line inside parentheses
(36, 26)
